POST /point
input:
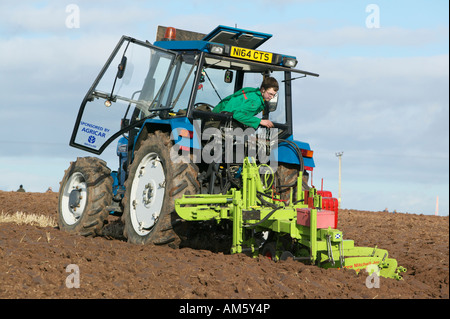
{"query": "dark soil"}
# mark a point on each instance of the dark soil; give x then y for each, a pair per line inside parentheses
(34, 260)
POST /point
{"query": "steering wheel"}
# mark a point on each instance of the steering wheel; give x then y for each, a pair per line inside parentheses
(196, 105)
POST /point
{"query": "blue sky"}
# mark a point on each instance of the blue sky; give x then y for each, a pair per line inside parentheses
(382, 96)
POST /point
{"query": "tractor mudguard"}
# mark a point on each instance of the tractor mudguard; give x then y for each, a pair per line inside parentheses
(176, 126)
(285, 153)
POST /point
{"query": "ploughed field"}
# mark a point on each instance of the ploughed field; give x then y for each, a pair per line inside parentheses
(40, 262)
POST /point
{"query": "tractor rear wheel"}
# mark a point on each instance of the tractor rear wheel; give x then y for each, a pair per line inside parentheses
(84, 194)
(154, 182)
(286, 177)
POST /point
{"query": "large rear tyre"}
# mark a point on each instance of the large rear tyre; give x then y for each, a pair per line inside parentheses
(286, 178)
(84, 194)
(154, 182)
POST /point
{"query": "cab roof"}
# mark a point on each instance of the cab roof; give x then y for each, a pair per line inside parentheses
(221, 34)
(228, 37)
(188, 40)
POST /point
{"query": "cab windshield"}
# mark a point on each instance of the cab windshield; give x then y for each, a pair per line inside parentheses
(221, 78)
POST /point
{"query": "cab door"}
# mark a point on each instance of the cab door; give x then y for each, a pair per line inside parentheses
(132, 82)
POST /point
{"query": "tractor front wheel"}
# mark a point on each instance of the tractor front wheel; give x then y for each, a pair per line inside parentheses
(84, 194)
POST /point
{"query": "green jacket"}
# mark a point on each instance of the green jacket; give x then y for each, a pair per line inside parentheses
(244, 104)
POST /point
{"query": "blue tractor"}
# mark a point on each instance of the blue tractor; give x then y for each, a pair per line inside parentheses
(164, 93)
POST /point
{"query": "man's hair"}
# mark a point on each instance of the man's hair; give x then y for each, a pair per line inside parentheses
(269, 82)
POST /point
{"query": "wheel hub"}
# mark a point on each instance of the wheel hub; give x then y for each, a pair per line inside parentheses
(147, 194)
(74, 198)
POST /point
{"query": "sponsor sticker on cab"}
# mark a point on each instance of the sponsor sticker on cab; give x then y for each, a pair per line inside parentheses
(249, 54)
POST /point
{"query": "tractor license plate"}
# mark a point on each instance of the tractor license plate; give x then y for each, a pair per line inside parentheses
(253, 55)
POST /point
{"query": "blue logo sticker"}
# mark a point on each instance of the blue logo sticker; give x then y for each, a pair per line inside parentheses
(91, 139)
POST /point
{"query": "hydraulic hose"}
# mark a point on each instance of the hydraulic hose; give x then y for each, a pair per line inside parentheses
(297, 150)
(300, 160)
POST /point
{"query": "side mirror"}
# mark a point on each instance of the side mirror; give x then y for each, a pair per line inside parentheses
(273, 103)
(121, 67)
(228, 76)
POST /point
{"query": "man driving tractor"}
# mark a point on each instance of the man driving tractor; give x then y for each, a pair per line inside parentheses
(246, 103)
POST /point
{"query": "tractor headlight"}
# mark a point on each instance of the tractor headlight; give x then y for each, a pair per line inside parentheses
(216, 49)
(289, 62)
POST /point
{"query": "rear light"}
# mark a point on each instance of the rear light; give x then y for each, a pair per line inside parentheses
(122, 148)
(307, 153)
(186, 133)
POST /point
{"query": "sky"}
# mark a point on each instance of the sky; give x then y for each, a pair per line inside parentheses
(382, 98)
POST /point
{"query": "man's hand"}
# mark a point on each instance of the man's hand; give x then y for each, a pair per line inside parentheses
(266, 123)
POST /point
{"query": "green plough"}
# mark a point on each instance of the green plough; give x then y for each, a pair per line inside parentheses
(296, 228)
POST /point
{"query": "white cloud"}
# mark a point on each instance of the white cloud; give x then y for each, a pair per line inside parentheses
(315, 35)
(389, 116)
(51, 19)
